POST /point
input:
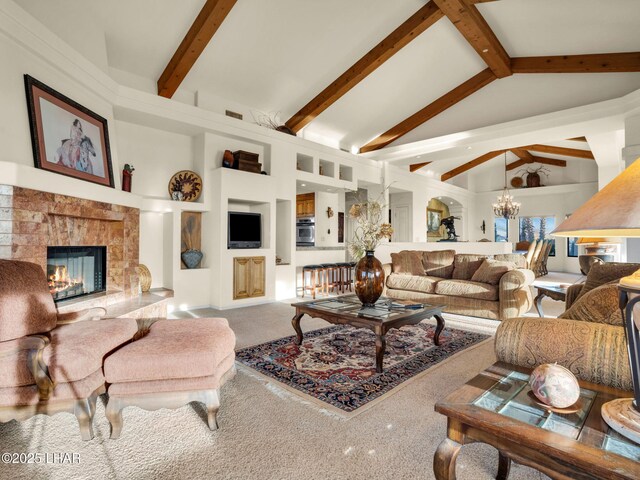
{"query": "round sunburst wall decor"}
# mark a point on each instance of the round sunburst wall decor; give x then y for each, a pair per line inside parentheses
(188, 183)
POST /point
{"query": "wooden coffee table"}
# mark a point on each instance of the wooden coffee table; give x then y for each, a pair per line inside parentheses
(496, 408)
(347, 310)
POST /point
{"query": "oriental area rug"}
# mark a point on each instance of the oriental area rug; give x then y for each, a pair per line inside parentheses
(336, 365)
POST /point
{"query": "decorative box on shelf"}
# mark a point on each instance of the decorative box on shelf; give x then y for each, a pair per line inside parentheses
(247, 161)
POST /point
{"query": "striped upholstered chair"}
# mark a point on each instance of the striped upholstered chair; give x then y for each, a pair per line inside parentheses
(588, 338)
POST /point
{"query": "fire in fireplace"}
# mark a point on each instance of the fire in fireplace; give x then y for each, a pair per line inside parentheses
(75, 271)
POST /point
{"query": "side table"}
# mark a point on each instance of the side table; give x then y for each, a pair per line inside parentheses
(553, 292)
(496, 408)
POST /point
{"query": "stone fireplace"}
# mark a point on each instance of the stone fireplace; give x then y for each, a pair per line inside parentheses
(31, 221)
(76, 271)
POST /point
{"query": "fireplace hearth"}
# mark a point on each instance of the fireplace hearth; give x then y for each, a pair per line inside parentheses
(76, 271)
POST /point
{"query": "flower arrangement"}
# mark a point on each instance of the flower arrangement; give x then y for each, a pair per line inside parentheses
(369, 229)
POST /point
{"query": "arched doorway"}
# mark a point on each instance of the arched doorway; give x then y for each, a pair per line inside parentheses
(442, 207)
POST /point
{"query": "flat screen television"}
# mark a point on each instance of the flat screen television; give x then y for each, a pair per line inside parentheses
(244, 230)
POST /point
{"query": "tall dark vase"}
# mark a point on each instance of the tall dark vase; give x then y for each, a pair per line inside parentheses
(369, 279)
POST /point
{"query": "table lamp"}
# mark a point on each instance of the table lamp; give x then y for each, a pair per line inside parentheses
(615, 212)
(598, 245)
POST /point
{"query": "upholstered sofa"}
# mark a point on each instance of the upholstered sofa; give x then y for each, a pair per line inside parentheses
(588, 338)
(474, 285)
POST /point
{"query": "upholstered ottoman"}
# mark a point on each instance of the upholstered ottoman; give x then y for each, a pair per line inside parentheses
(175, 363)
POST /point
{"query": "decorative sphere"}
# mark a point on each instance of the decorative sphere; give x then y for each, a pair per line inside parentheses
(554, 385)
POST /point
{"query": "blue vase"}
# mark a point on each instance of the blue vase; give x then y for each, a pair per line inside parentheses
(191, 258)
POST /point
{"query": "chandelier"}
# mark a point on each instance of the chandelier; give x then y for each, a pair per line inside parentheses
(506, 207)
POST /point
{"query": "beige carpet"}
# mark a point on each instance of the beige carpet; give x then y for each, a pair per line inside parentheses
(265, 431)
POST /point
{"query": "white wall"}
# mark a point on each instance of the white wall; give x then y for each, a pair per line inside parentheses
(488, 178)
(155, 154)
(152, 246)
(327, 228)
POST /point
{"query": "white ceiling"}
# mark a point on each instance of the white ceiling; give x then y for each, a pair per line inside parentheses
(276, 55)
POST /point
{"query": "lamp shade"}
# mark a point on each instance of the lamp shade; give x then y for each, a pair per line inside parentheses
(593, 240)
(612, 212)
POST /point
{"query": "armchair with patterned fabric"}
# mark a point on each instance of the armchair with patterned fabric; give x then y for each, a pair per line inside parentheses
(51, 363)
(588, 338)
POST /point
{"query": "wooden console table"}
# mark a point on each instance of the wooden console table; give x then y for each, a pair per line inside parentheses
(495, 408)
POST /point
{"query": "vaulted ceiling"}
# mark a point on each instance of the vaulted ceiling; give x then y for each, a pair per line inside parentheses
(277, 55)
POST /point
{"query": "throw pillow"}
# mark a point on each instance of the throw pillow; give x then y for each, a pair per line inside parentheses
(599, 305)
(491, 271)
(465, 265)
(602, 273)
(407, 262)
(439, 263)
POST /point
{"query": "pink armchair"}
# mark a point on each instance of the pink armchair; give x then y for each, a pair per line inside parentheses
(51, 363)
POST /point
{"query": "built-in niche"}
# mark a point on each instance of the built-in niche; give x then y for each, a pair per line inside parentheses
(190, 235)
(261, 208)
(304, 163)
(327, 168)
(345, 173)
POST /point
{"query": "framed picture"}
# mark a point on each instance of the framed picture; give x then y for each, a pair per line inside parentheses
(67, 138)
(433, 220)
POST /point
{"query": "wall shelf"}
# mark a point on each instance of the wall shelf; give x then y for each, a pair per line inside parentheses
(304, 163)
(327, 169)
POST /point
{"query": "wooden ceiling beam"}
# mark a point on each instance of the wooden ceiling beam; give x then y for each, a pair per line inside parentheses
(578, 139)
(438, 106)
(551, 161)
(469, 165)
(523, 155)
(414, 167)
(193, 44)
(516, 164)
(567, 152)
(593, 63)
(474, 28)
(534, 159)
(383, 51)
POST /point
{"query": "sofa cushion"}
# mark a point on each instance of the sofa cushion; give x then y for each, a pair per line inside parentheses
(602, 273)
(465, 265)
(26, 306)
(467, 289)
(407, 262)
(439, 263)
(173, 349)
(599, 305)
(520, 261)
(78, 349)
(491, 271)
(413, 283)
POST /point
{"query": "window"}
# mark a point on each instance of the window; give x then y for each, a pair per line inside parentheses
(537, 228)
(500, 230)
(572, 244)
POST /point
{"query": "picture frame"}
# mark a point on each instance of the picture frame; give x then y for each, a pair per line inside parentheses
(67, 138)
(434, 218)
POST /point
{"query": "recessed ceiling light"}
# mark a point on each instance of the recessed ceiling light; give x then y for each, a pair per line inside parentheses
(485, 50)
(303, 184)
(418, 156)
(469, 148)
